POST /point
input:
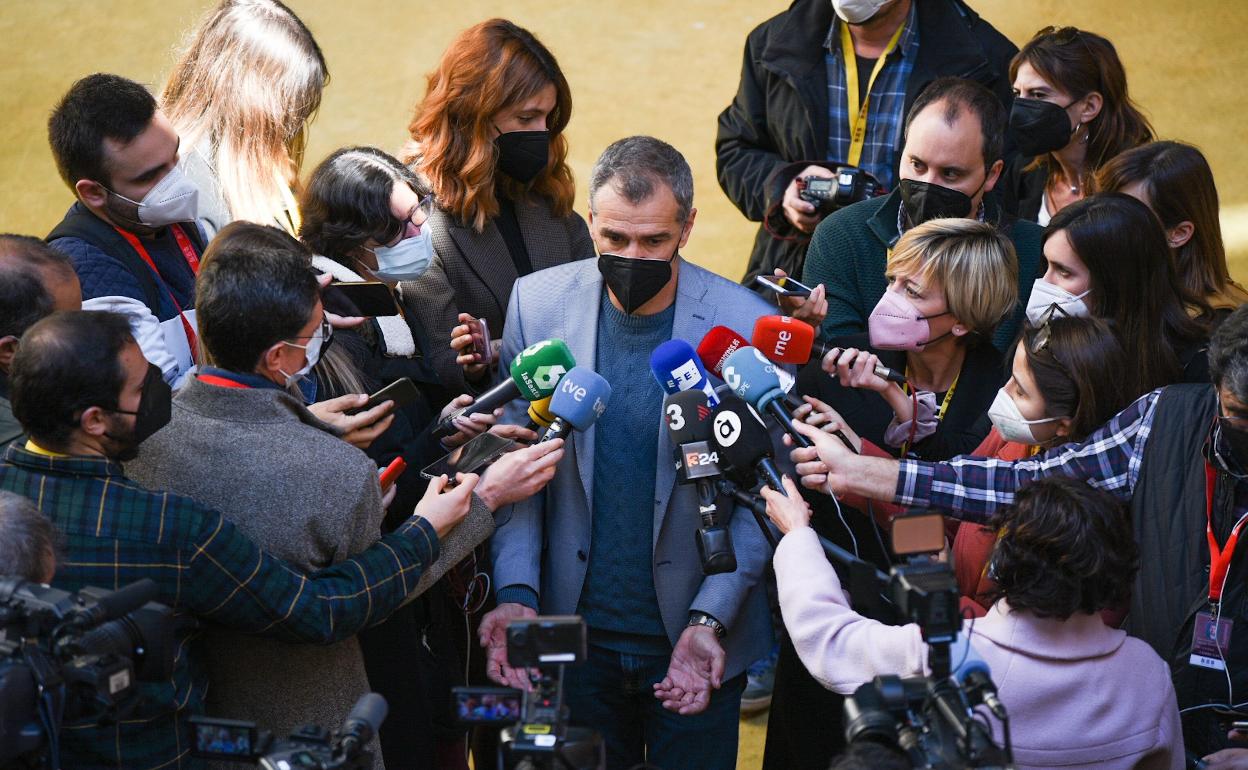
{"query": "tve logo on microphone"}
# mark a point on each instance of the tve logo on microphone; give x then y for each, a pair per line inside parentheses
(578, 393)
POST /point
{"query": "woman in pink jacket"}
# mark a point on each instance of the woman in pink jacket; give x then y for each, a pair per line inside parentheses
(1078, 693)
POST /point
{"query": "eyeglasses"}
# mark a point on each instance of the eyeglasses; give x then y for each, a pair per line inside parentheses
(325, 332)
(411, 226)
(1232, 421)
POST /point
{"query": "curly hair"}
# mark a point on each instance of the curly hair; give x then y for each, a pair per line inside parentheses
(1063, 547)
(488, 68)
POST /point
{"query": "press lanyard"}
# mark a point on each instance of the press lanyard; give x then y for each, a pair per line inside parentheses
(1219, 558)
(192, 260)
(858, 113)
(940, 413)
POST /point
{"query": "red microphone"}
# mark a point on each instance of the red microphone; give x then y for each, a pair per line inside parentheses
(787, 340)
(719, 343)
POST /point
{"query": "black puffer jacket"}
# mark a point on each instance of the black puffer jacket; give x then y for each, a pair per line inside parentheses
(779, 118)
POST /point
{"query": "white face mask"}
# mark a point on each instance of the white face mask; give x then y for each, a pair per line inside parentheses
(1009, 421)
(857, 11)
(1045, 295)
(313, 352)
(174, 199)
(406, 260)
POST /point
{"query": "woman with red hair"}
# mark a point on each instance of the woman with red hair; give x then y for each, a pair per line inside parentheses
(488, 137)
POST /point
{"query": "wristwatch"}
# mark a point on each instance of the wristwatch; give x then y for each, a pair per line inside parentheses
(702, 619)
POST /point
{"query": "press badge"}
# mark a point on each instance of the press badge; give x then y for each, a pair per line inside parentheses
(1210, 640)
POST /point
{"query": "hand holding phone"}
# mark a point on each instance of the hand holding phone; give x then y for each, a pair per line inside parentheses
(401, 392)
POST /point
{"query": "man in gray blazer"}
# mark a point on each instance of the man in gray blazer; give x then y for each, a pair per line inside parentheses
(612, 538)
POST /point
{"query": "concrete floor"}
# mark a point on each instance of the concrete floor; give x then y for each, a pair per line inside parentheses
(662, 67)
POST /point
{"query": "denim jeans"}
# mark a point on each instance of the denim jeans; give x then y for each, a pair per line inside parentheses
(613, 693)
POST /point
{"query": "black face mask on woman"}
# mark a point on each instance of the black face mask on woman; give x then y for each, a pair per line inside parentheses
(522, 155)
(1040, 127)
(633, 281)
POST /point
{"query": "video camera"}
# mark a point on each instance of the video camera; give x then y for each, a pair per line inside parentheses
(933, 718)
(850, 185)
(537, 735)
(74, 657)
(309, 746)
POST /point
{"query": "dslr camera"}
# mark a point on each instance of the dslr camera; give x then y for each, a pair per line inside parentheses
(850, 185)
(74, 657)
(535, 734)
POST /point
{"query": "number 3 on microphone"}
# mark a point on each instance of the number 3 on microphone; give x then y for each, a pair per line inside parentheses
(675, 417)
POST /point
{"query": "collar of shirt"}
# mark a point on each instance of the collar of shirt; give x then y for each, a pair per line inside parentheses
(906, 44)
(242, 378)
(41, 461)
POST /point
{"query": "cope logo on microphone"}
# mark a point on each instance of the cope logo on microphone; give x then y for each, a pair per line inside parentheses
(734, 380)
(727, 427)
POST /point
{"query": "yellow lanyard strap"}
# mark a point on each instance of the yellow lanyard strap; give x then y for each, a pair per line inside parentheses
(940, 413)
(857, 113)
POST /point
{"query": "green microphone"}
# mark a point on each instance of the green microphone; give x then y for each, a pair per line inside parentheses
(535, 373)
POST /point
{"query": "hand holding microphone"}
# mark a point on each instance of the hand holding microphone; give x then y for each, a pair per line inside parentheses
(785, 507)
(787, 340)
(534, 374)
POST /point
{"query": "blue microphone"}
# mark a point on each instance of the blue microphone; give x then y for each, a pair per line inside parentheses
(975, 676)
(675, 364)
(578, 402)
(753, 378)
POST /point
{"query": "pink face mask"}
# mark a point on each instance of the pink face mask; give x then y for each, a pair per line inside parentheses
(896, 324)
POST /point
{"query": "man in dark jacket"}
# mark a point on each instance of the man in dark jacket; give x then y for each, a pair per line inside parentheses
(793, 110)
(132, 233)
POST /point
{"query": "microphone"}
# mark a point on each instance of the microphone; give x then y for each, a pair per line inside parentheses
(578, 402)
(688, 418)
(362, 723)
(743, 441)
(721, 342)
(753, 378)
(975, 675)
(539, 414)
(676, 366)
(787, 340)
(121, 602)
(535, 372)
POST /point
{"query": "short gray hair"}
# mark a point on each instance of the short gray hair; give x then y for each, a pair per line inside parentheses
(27, 539)
(1228, 354)
(632, 166)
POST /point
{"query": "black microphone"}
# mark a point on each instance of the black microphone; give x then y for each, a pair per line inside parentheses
(743, 441)
(362, 723)
(121, 602)
(978, 680)
(688, 418)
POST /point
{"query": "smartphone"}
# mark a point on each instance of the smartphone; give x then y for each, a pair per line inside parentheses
(401, 392)
(481, 347)
(391, 473)
(368, 298)
(785, 287)
(477, 453)
(487, 705)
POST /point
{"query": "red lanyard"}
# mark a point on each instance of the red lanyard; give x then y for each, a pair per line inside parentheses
(192, 260)
(223, 382)
(1219, 558)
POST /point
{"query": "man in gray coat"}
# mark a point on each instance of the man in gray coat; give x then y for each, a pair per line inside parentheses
(239, 441)
(613, 538)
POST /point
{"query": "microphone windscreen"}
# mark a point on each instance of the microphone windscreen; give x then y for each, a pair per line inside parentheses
(676, 366)
(371, 709)
(688, 416)
(537, 369)
(752, 377)
(741, 437)
(539, 412)
(127, 599)
(581, 397)
(783, 339)
(719, 343)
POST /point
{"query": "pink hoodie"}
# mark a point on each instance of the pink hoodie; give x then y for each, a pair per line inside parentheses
(1079, 693)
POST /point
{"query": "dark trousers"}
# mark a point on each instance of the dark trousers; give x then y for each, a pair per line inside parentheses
(613, 693)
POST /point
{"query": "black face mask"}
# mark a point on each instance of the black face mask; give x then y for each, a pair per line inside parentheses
(634, 282)
(522, 155)
(154, 412)
(1040, 127)
(1231, 445)
(924, 200)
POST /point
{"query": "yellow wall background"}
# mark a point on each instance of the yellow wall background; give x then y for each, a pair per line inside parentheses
(661, 67)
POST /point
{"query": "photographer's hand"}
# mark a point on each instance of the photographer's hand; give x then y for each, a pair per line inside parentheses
(697, 667)
(493, 637)
(802, 214)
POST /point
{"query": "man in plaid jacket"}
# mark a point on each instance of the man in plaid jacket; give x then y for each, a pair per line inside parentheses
(87, 398)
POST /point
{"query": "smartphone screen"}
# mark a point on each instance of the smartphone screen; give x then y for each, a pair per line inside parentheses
(469, 458)
(785, 287)
(488, 705)
(401, 392)
(367, 298)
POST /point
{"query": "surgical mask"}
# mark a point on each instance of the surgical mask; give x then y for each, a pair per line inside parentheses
(1010, 423)
(406, 260)
(896, 324)
(174, 199)
(1045, 297)
(857, 11)
(634, 282)
(522, 155)
(1040, 127)
(313, 352)
(924, 201)
(153, 413)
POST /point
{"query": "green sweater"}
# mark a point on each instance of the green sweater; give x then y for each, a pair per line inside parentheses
(849, 248)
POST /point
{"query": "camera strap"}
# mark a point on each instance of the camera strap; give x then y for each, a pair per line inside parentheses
(857, 112)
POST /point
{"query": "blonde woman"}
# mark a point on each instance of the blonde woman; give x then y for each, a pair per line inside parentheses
(240, 96)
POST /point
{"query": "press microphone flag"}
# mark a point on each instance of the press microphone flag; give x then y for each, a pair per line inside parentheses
(535, 372)
(676, 366)
(787, 340)
(743, 441)
(578, 402)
